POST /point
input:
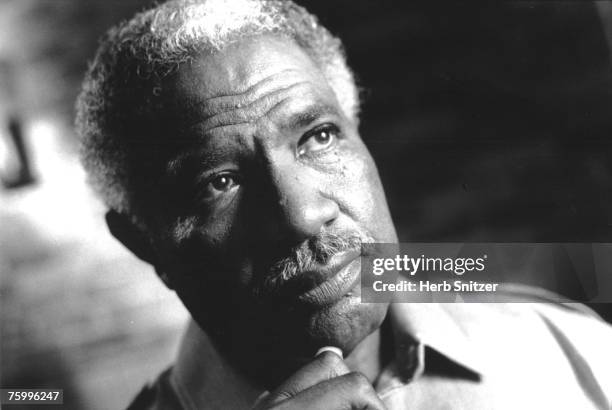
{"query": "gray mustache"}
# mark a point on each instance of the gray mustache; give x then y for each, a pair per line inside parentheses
(314, 253)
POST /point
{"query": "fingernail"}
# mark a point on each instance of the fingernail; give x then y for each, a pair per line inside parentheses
(332, 349)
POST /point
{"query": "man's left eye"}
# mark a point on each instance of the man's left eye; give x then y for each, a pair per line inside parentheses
(319, 139)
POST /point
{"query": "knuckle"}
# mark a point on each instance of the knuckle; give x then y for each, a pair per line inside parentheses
(283, 395)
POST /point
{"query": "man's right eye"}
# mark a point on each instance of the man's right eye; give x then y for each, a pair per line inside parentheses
(220, 184)
(223, 183)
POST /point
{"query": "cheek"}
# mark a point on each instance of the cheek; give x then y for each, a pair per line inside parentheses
(360, 193)
(213, 228)
(209, 246)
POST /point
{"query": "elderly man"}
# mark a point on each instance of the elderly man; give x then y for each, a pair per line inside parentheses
(223, 137)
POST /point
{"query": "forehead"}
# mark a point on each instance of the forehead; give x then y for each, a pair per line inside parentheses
(247, 69)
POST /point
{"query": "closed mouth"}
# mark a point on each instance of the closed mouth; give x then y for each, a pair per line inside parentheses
(328, 285)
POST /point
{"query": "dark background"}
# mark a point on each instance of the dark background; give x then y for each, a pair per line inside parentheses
(489, 123)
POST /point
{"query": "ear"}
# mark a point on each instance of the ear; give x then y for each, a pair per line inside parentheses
(136, 240)
(131, 236)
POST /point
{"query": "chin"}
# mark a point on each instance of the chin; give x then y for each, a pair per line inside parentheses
(345, 324)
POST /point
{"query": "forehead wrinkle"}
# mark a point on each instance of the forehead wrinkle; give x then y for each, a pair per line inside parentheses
(279, 79)
(199, 108)
(253, 111)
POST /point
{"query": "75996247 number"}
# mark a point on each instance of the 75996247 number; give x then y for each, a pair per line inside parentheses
(31, 396)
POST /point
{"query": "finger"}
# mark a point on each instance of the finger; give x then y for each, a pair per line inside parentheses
(350, 391)
(332, 349)
(325, 366)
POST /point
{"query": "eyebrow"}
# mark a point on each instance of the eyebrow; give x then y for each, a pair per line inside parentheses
(306, 117)
(203, 158)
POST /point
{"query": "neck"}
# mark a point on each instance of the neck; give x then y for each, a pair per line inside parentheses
(255, 349)
(205, 376)
(268, 367)
(208, 377)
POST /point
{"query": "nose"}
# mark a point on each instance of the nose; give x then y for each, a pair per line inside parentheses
(305, 207)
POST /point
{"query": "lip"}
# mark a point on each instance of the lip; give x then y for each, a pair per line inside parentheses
(332, 283)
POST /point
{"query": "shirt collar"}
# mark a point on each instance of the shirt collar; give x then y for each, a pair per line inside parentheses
(432, 325)
(202, 377)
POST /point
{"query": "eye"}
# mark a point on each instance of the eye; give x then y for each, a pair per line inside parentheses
(220, 184)
(319, 139)
(223, 183)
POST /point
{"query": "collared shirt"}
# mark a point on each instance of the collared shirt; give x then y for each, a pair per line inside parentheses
(448, 356)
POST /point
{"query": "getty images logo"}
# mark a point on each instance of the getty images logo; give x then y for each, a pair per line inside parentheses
(412, 266)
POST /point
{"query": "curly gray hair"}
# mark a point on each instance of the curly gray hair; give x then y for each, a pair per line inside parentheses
(120, 101)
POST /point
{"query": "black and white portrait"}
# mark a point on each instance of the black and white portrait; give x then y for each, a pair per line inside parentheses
(285, 204)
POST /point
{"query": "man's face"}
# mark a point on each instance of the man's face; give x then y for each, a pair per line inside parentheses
(269, 192)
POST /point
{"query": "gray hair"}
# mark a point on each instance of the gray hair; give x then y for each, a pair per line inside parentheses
(121, 89)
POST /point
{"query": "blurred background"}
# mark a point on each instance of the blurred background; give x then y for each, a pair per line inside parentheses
(488, 122)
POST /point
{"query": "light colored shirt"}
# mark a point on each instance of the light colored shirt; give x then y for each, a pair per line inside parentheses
(447, 356)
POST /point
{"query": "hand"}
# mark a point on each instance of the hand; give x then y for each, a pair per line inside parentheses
(324, 383)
